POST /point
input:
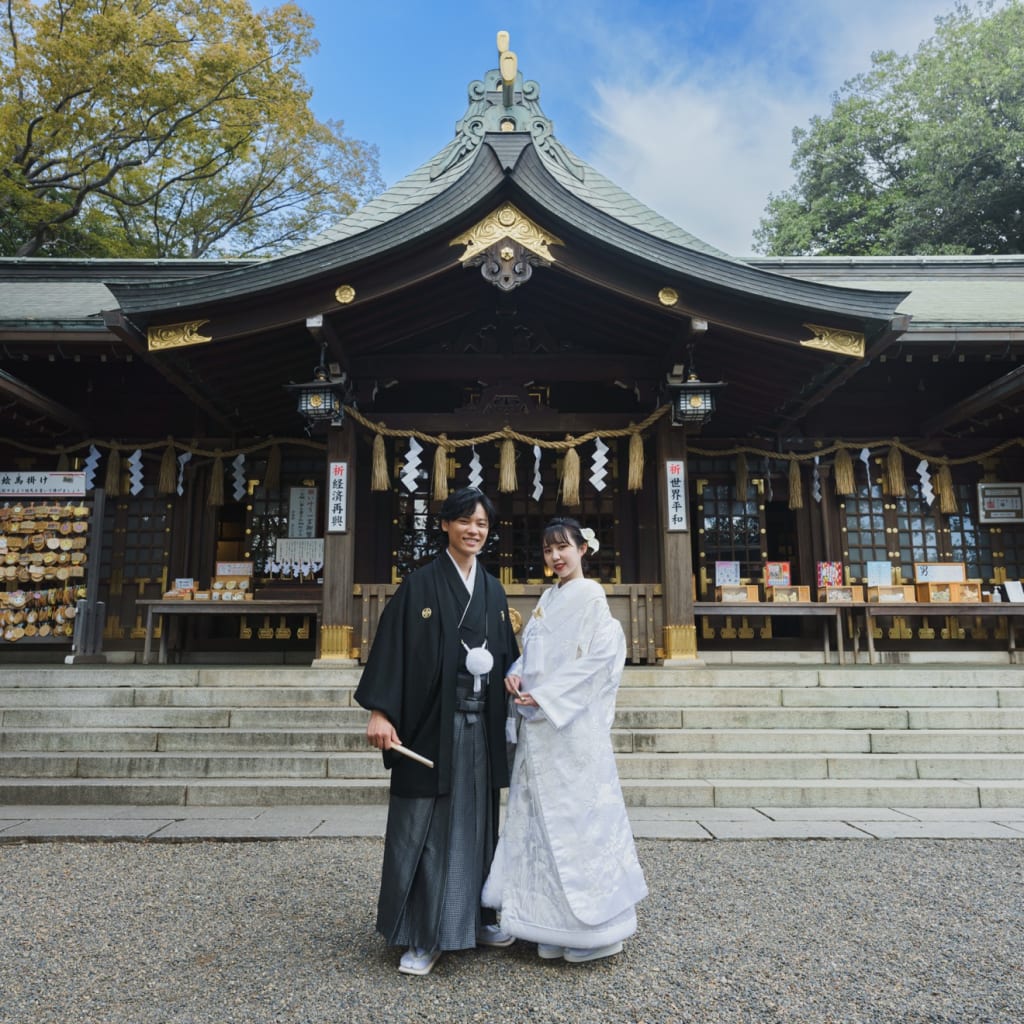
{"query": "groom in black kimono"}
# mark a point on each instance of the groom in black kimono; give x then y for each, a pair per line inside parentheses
(442, 821)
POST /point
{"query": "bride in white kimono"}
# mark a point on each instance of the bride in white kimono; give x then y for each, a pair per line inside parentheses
(565, 873)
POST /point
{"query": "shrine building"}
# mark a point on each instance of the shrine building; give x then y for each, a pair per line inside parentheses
(238, 460)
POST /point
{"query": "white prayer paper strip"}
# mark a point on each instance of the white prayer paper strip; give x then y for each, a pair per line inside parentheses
(135, 472)
(411, 469)
(92, 460)
(598, 470)
(538, 486)
(183, 458)
(476, 474)
(927, 492)
(238, 475)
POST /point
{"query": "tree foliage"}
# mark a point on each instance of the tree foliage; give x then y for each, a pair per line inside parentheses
(921, 155)
(165, 128)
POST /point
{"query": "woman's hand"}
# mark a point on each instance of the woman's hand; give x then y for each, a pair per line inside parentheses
(512, 684)
(380, 732)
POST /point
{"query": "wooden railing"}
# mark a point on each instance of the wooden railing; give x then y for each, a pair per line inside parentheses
(637, 606)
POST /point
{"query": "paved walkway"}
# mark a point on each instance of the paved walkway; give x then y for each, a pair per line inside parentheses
(172, 823)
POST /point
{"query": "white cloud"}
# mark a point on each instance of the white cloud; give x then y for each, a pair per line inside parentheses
(695, 118)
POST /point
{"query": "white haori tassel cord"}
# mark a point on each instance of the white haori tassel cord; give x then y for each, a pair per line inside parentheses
(479, 662)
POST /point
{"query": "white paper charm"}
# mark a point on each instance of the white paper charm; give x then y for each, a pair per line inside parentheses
(476, 470)
(135, 472)
(238, 476)
(597, 467)
(925, 476)
(92, 460)
(816, 481)
(183, 458)
(538, 486)
(411, 469)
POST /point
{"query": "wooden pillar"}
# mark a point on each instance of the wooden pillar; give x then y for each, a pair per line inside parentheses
(337, 618)
(679, 632)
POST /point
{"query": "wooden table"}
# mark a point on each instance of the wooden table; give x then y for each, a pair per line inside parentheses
(936, 609)
(161, 608)
(802, 609)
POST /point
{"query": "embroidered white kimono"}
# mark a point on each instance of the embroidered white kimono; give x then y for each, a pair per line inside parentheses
(565, 871)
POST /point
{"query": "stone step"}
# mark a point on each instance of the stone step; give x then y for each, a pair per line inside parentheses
(332, 717)
(368, 765)
(875, 793)
(892, 697)
(261, 765)
(628, 699)
(198, 792)
(176, 676)
(908, 793)
(948, 741)
(182, 740)
(783, 741)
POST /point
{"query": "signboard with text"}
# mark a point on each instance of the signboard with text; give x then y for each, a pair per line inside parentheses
(39, 484)
(302, 512)
(337, 497)
(675, 512)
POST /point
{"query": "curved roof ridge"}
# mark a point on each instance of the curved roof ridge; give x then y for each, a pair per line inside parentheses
(502, 103)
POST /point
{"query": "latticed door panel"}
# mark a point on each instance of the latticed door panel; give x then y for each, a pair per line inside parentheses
(136, 547)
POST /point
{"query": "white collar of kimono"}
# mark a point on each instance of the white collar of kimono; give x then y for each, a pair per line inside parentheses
(469, 580)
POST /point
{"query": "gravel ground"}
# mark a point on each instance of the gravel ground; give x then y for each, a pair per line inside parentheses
(908, 931)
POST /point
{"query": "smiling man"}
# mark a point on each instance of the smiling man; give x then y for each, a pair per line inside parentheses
(434, 685)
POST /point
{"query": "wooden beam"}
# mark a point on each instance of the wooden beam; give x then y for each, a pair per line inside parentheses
(27, 396)
(1006, 387)
(120, 325)
(836, 380)
(545, 368)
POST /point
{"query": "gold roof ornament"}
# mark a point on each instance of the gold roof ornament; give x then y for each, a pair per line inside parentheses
(507, 222)
(833, 339)
(176, 335)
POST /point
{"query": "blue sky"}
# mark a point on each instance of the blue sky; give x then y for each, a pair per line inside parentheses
(687, 104)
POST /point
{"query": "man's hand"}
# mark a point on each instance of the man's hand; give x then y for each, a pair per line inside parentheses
(380, 732)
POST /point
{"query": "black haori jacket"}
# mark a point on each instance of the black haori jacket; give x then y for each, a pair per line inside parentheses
(416, 656)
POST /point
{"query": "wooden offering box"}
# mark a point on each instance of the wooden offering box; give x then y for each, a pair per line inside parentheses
(840, 595)
(736, 592)
(949, 593)
(789, 595)
(892, 595)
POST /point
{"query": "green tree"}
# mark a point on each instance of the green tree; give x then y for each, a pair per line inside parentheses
(921, 155)
(179, 128)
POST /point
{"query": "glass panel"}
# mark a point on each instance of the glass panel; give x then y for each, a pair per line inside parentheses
(968, 541)
(864, 521)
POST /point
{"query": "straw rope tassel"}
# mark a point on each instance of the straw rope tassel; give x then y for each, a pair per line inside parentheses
(636, 461)
(62, 461)
(379, 480)
(507, 467)
(272, 481)
(112, 483)
(571, 476)
(167, 483)
(441, 468)
(897, 485)
(217, 481)
(944, 485)
(741, 477)
(845, 481)
(796, 486)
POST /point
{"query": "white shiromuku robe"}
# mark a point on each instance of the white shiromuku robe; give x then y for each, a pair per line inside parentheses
(565, 871)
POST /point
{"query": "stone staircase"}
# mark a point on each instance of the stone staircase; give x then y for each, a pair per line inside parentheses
(727, 736)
